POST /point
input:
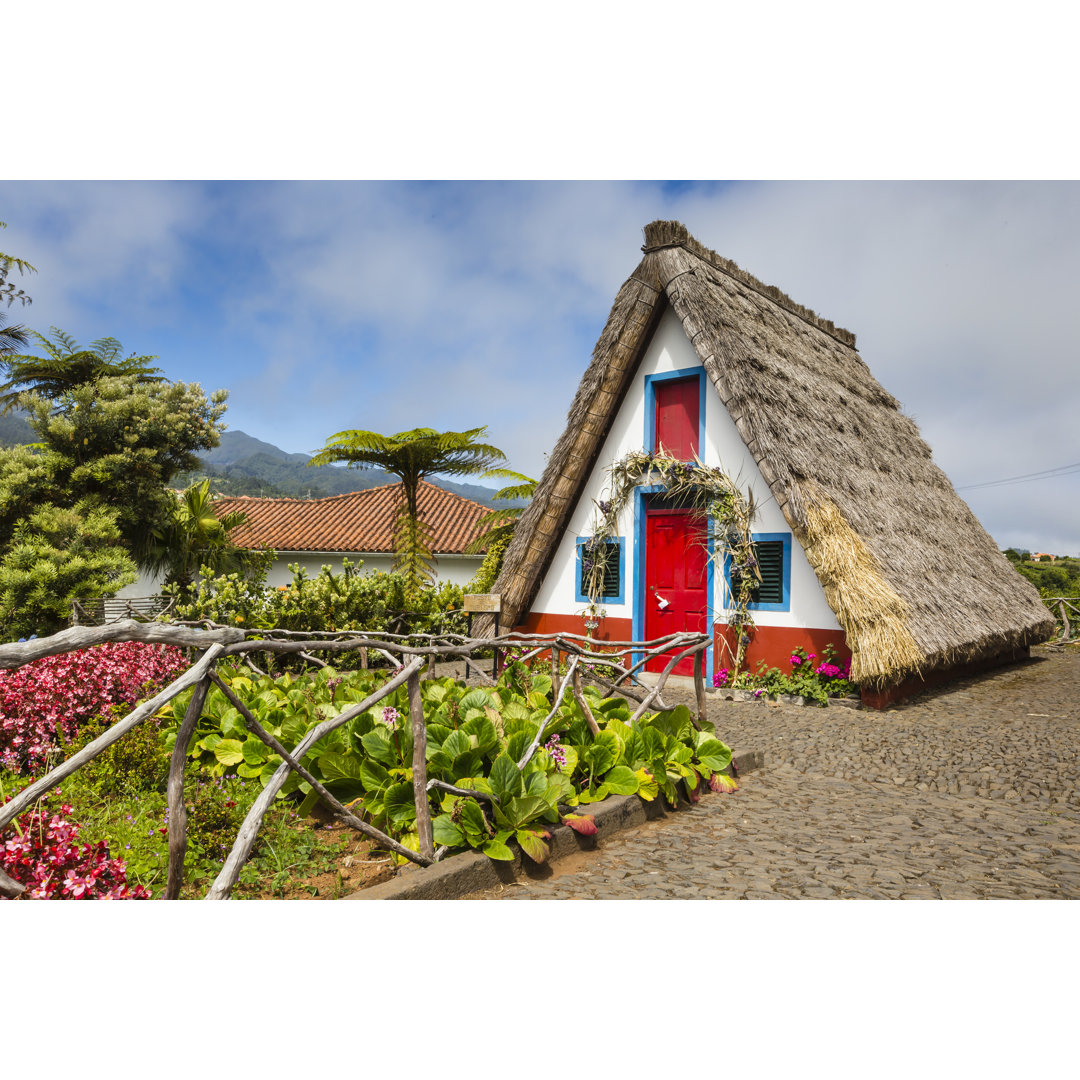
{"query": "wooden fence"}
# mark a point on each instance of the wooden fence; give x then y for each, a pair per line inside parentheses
(621, 660)
(1068, 629)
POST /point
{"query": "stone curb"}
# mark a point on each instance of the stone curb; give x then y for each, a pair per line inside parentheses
(472, 872)
(727, 694)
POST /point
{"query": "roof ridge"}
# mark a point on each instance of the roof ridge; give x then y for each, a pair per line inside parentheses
(666, 234)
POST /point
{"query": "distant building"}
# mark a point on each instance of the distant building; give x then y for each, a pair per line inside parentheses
(358, 525)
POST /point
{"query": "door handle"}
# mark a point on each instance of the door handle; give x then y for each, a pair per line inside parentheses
(661, 603)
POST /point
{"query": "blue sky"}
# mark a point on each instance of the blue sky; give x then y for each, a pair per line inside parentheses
(322, 306)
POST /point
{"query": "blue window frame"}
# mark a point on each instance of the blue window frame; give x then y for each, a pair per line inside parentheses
(614, 572)
(774, 561)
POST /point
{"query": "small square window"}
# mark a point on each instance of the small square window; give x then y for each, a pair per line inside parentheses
(608, 556)
(773, 554)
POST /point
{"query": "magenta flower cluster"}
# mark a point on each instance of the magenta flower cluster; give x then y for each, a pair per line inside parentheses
(44, 854)
(50, 699)
(826, 668)
(721, 677)
(555, 751)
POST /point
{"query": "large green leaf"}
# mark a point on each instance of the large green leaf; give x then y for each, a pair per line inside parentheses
(473, 823)
(476, 698)
(254, 751)
(377, 743)
(518, 743)
(439, 763)
(516, 813)
(444, 831)
(541, 684)
(532, 844)
(515, 709)
(600, 755)
(464, 765)
(456, 744)
(505, 778)
(675, 723)
(714, 755)
(621, 781)
(399, 805)
(437, 734)
(229, 751)
(497, 849)
(483, 731)
(648, 788)
(341, 767)
(372, 775)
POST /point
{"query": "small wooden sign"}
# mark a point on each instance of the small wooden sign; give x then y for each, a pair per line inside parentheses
(483, 602)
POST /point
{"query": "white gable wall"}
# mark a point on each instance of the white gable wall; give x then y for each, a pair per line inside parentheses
(668, 351)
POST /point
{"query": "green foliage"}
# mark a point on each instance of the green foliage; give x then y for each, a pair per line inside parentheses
(330, 601)
(192, 536)
(475, 737)
(497, 528)
(66, 366)
(811, 676)
(1059, 578)
(55, 556)
(121, 441)
(486, 576)
(411, 456)
(12, 338)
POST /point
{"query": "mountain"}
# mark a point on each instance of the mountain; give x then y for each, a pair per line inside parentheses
(14, 430)
(243, 465)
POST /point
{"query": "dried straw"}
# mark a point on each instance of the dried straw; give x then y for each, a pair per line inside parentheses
(873, 616)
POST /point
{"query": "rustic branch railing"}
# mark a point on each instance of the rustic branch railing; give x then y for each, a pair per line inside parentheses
(1060, 607)
(214, 643)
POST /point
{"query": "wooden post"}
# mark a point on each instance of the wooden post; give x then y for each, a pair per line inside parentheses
(554, 666)
(579, 697)
(177, 809)
(419, 769)
(699, 688)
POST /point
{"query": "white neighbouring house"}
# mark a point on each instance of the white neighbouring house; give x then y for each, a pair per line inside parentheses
(861, 539)
(355, 526)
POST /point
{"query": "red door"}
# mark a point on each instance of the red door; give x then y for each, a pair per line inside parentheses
(675, 578)
(676, 428)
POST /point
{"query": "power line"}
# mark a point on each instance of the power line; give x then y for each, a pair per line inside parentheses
(1046, 474)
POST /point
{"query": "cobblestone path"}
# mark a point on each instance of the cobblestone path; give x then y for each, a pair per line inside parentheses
(967, 793)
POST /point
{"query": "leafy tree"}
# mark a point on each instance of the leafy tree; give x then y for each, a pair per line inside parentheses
(12, 338)
(411, 456)
(67, 366)
(58, 555)
(192, 537)
(119, 440)
(500, 523)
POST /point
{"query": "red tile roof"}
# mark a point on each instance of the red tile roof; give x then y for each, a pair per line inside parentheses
(358, 521)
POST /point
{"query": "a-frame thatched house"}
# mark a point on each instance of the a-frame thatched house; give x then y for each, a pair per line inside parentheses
(863, 542)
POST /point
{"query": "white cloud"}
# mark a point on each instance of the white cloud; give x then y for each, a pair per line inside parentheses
(333, 305)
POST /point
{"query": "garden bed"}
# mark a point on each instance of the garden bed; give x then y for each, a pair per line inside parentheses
(505, 766)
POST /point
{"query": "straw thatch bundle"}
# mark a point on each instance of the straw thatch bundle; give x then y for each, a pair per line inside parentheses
(914, 579)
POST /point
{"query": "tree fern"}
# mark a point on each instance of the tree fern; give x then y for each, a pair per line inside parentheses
(411, 456)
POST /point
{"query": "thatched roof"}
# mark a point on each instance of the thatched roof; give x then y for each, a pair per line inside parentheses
(358, 521)
(914, 579)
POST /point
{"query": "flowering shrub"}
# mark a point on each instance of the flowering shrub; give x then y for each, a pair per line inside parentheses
(809, 677)
(47, 701)
(45, 855)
